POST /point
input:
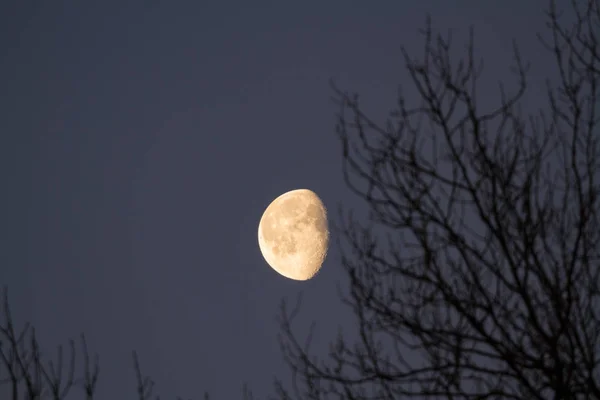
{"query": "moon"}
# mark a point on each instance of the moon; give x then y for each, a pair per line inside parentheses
(293, 234)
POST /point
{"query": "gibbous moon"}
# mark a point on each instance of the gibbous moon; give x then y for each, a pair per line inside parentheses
(293, 234)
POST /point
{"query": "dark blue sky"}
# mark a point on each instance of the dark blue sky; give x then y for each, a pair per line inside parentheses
(141, 142)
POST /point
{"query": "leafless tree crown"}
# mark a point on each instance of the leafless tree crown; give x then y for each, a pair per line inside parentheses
(476, 275)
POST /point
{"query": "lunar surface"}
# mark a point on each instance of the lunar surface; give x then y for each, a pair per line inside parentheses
(293, 234)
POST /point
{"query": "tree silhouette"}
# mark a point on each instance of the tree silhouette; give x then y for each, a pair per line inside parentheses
(31, 376)
(476, 274)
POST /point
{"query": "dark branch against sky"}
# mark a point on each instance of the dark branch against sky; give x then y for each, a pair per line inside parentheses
(141, 143)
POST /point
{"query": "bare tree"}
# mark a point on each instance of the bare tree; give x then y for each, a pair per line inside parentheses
(31, 376)
(476, 274)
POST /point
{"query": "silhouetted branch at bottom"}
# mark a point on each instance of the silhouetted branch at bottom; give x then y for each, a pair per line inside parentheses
(29, 376)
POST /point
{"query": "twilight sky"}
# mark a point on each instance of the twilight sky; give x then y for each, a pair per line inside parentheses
(141, 142)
